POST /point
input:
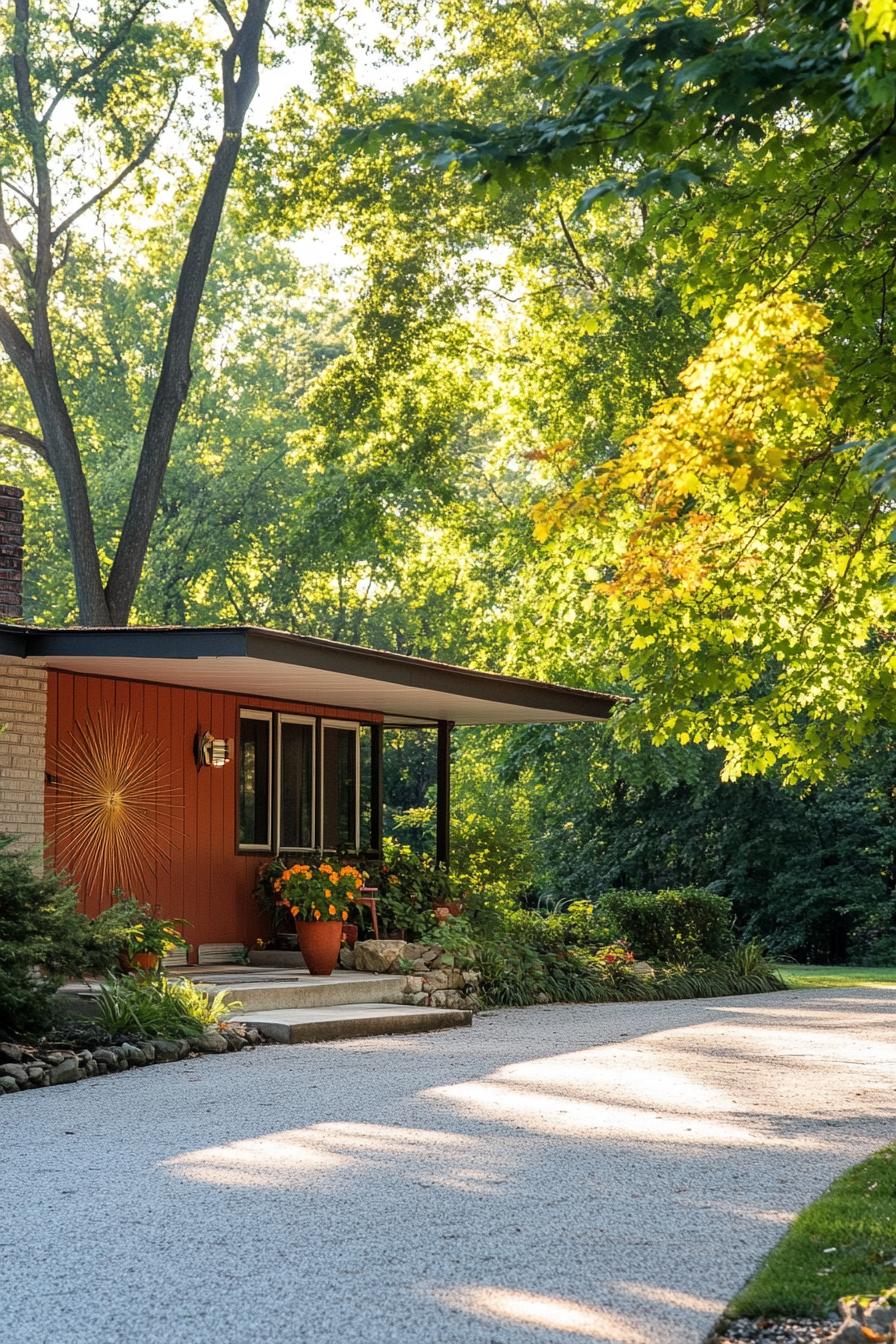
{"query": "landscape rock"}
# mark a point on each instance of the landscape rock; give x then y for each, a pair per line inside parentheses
(165, 1051)
(9, 1053)
(378, 955)
(347, 958)
(415, 951)
(864, 1320)
(66, 1071)
(18, 1072)
(644, 970)
(209, 1043)
(448, 998)
(53, 1062)
(448, 988)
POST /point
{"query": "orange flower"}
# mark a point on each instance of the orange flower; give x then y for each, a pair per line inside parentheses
(295, 909)
(345, 914)
(317, 914)
(331, 909)
(326, 893)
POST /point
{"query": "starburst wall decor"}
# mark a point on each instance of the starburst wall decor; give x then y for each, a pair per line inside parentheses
(118, 803)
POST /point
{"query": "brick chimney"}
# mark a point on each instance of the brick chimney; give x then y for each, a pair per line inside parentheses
(11, 551)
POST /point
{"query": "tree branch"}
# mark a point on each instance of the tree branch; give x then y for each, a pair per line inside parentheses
(99, 195)
(22, 195)
(35, 135)
(90, 67)
(14, 247)
(588, 275)
(239, 80)
(25, 438)
(18, 348)
(220, 8)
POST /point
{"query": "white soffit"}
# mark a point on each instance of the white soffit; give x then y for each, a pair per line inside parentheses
(398, 701)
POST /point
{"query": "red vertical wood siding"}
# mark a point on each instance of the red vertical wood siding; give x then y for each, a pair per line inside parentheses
(203, 879)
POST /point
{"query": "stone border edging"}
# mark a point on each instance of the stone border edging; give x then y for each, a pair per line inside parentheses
(23, 1067)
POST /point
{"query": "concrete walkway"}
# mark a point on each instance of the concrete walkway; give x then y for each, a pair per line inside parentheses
(607, 1174)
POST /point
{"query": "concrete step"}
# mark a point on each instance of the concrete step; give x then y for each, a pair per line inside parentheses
(263, 957)
(348, 1021)
(262, 993)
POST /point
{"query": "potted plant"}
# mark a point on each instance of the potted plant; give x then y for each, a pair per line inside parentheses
(143, 938)
(318, 897)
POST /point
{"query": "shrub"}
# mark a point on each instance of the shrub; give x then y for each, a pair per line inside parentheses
(43, 940)
(131, 926)
(153, 1006)
(410, 886)
(678, 927)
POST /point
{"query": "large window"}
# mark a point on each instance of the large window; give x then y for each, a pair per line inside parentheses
(255, 780)
(306, 784)
(339, 786)
(296, 796)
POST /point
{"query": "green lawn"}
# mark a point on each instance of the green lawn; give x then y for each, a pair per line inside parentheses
(843, 1244)
(836, 977)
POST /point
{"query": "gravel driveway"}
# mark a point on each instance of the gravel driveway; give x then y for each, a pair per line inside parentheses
(602, 1173)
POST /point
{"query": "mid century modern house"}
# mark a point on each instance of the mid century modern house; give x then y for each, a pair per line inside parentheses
(171, 763)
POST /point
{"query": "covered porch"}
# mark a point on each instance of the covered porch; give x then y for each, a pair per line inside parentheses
(386, 690)
(176, 763)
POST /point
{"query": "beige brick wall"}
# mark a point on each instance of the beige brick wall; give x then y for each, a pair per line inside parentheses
(23, 712)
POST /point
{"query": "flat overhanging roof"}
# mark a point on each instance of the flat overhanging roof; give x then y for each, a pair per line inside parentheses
(248, 660)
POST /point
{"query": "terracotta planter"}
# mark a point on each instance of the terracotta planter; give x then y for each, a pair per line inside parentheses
(140, 961)
(349, 934)
(447, 910)
(319, 943)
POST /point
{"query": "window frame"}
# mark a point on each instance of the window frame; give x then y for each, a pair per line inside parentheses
(263, 716)
(310, 721)
(353, 726)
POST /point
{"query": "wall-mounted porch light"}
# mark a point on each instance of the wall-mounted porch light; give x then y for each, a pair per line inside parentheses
(212, 750)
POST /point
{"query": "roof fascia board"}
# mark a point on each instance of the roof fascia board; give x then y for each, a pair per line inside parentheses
(137, 643)
(13, 643)
(421, 675)
(321, 655)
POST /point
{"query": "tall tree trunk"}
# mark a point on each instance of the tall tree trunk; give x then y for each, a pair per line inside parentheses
(35, 359)
(239, 69)
(59, 436)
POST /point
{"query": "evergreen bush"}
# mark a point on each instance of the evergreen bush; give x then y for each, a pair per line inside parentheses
(676, 927)
(43, 941)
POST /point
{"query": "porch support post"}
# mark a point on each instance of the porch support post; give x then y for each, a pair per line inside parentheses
(443, 793)
(376, 789)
